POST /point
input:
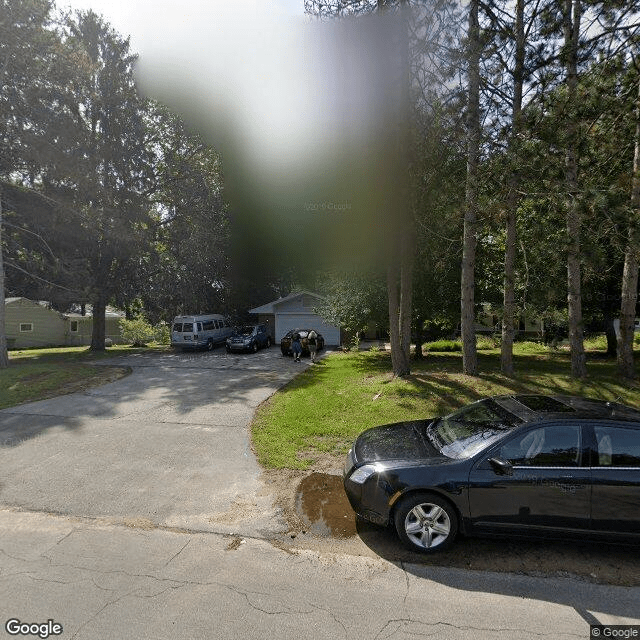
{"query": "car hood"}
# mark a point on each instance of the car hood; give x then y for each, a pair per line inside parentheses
(398, 441)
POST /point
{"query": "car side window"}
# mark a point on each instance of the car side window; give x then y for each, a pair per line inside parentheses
(617, 446)
(552, 446)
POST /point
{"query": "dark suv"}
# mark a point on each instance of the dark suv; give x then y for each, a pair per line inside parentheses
(249, 338)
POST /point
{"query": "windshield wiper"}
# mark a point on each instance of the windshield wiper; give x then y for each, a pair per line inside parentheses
(431, 433)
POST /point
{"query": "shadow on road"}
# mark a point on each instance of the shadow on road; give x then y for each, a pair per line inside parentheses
(592, 563)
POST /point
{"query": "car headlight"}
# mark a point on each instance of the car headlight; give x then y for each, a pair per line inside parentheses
(365, 472)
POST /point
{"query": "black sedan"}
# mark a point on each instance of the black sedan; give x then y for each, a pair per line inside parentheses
(285, 343)
(516, 465)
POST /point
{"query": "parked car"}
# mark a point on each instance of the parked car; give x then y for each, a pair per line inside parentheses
(285, 343)
(198, 331)
(249, 338)
(519, 465)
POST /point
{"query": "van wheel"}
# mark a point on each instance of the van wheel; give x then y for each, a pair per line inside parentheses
(209, 344)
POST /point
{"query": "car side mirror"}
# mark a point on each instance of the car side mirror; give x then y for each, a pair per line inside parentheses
(501, 467)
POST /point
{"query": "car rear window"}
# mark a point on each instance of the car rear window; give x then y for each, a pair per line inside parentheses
(177, 326)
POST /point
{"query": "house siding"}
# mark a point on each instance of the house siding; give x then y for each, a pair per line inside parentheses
(304, 303)
(48, 325)
(50, 328)
(85, 330)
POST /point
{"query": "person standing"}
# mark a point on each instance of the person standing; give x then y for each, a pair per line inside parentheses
(296, 347)
(312, 339)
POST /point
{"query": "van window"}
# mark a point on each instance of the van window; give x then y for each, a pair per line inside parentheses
(187, 327)
(218, 324)
(177, 327)
(208, 325)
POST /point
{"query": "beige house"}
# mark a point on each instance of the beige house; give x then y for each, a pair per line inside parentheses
(34, 324)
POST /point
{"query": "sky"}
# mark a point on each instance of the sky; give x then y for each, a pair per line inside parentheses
(304, 113)
(139, 18)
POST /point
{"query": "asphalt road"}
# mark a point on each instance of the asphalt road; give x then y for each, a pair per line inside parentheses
(136, 510)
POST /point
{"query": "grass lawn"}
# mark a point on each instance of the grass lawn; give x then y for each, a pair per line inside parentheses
(36, 374)
(322, 410)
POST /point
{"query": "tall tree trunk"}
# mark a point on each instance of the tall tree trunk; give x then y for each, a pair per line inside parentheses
(400, 268)
(4, 356)
(631, 263)
(99, 322)
(419, 354)
(467, 288)
(610, 334)
(506, 349)
(572, 16)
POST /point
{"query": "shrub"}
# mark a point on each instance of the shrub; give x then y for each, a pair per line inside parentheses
(162, 333)
(487, 342)
(137, 332)
(443, 346)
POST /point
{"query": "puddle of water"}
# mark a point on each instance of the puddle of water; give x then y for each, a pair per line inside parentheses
(322, 504)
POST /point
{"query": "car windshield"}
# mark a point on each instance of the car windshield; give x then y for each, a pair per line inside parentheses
(246, 331)
(471, 429)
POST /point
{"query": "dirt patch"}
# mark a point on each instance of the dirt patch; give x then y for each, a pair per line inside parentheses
(319, 517)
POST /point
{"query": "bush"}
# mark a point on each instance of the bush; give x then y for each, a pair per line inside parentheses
(443, 346)
(487, 342)
(137, 332)
(162, 333)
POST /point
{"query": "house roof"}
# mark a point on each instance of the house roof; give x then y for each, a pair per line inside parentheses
(109, 313)
(270, 306)
(42, 303)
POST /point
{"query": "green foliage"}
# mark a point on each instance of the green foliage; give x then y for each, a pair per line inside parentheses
(162, 333)
(138, 332)
(443, 346)
(36, 380)
(327, 406)
(352, 301)
(486, 343)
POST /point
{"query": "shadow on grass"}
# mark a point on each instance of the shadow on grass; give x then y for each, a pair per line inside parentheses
(438, 378)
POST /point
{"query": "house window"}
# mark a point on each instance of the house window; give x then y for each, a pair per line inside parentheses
(74, 326)
(26, 326)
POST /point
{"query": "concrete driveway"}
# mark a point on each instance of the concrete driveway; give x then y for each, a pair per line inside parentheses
(116, 507)
(166, 446)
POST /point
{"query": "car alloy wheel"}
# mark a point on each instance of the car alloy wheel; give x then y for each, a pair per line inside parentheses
(254, 347)
(426, 523)
(209, 344)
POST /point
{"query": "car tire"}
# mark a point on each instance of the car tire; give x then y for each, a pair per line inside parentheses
(254, 347)
(425, 523)
(209, 344)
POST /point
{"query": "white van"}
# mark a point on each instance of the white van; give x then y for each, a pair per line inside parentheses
(194, 332)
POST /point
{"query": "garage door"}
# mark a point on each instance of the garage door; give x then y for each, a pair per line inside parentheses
(286, 322)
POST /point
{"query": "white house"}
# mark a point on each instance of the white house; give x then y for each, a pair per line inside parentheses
(295, 311)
